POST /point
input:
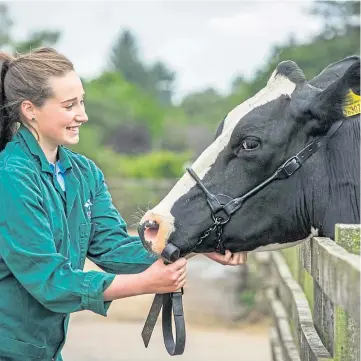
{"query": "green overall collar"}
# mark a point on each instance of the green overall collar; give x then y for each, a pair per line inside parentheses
(36, 150)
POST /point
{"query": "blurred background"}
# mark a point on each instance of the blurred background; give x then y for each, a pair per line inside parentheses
(159, 77)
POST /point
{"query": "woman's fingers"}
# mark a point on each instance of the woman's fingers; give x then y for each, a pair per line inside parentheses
(179, 264)
(182, 275)
(238, 258)
(181, 284)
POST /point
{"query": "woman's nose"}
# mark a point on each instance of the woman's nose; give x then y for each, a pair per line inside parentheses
(83, 117)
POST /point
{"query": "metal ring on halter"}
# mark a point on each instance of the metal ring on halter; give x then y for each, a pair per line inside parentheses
(218, 218)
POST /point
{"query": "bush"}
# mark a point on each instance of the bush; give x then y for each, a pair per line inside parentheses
(155, 165)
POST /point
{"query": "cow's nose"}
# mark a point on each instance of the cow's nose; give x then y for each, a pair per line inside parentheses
(148, 232)
(153, 231)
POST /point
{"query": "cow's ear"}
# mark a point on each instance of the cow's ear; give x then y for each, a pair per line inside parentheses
(341, 99)
(220, 128)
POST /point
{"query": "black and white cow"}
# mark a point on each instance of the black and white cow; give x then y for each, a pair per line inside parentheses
(252, 142)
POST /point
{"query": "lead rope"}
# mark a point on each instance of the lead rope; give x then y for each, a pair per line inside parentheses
(171, 303)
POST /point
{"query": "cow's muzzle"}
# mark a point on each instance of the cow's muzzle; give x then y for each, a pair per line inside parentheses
(154, 231)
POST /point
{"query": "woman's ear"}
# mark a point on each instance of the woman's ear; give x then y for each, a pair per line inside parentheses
(341, 99)
(28, 111)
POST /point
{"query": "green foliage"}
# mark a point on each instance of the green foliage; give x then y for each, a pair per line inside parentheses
(312, 58)
(161, 82)
(155, 165)
(248, 298)
(207, 107)
(194, 105)
(338, 17)
(5, 25)
(91, 147)
(124, 58)
(340, 38)
(252, 286)
(36, 40)
(112, 101)
(133, 197)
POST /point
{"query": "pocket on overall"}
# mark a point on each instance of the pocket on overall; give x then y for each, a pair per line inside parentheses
(11, 347)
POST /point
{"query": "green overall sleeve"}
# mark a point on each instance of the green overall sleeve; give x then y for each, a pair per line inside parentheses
(111, 247)
(28, 249)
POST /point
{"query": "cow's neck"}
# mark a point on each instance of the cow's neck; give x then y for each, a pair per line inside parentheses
(336, 181)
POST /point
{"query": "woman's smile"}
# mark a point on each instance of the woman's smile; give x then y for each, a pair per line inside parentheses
(74, 130)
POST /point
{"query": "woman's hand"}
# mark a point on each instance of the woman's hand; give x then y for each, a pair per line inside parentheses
(229, 259)
(158, 278)
(161, 278)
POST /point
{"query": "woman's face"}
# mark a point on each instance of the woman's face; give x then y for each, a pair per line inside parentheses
(58, 120)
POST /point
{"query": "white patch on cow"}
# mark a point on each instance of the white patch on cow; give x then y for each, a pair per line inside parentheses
(277, 246)
(276, 86)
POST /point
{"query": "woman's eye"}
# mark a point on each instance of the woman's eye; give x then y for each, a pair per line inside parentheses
(69, 106)
(249, 144)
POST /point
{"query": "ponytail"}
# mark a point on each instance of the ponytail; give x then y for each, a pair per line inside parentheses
(6, 126)
(26, 77)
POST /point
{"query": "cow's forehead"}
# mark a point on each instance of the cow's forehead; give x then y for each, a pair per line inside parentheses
(278, 85)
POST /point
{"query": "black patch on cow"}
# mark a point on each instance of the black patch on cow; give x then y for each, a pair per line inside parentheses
(291, 71)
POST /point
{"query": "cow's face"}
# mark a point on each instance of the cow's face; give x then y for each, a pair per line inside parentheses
(252, 142)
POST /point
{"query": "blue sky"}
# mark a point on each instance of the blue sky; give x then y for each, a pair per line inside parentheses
(207, 43)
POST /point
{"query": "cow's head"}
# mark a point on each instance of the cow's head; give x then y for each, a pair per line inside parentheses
(251, 143)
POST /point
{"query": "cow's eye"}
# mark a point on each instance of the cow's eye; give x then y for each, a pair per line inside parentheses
(249, 144)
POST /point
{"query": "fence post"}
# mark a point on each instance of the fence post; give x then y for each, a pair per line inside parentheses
(347, 331)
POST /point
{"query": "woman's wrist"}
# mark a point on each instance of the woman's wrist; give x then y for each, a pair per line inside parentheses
(126, 286)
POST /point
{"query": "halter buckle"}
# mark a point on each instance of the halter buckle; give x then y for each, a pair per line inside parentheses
(291, 166)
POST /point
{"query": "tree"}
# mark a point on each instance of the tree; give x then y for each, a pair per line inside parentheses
(124, 59)
(156, 79)
(161, 79)
(5, 25)
(34, 40)
(339, 17)
(113, 103)
(339, 38)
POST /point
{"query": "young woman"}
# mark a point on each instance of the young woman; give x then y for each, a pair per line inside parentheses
(55, 210)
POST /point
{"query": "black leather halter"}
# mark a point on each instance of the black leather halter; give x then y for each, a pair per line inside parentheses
(223, 207)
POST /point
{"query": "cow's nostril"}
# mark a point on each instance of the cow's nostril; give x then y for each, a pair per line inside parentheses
(151, 224)
(153, 232)
(151, 229)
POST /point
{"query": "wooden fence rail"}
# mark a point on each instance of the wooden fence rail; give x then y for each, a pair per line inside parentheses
(315, 299)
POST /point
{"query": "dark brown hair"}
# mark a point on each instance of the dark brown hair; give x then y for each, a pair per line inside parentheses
(26, 77)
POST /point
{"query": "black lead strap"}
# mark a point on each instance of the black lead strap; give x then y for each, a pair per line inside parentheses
(171, 303)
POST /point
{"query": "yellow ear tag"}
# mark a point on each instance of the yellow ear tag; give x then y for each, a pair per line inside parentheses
(352, 104)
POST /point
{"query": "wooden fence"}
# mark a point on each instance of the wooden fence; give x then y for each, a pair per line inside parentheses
(315, 299)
